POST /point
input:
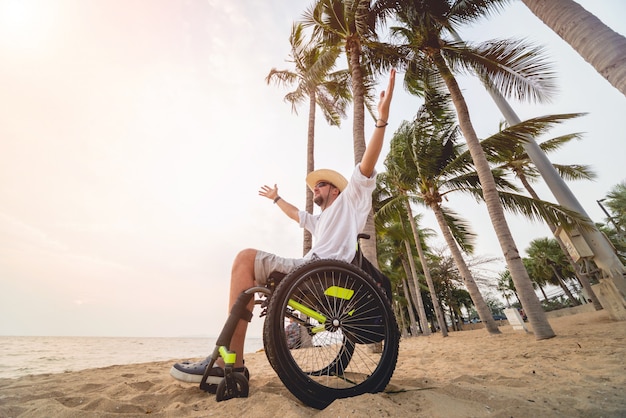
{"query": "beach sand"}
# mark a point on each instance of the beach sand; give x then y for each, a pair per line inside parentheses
(579, 373)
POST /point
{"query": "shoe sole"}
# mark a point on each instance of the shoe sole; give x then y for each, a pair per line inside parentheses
(193, 378)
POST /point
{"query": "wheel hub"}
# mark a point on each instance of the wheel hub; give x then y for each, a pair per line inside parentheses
(333, 325)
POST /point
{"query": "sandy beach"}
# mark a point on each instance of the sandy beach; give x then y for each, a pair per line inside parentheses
(579, 373)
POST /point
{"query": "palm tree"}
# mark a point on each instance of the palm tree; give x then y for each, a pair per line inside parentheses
(426, 162)
(617, 240)
(315, 81)
(391, 223)
(610, 266)
(458, 298)
(538, 280)
(594, 41)
(388, 255)
(390, 252)
(506, 287)
(513, 67)
(616, 202)
(396, 194)
(615, 227)
(426, 269)
(549, 264)
(351, 25)
(420, 153)
(516, 160)
(447, 280)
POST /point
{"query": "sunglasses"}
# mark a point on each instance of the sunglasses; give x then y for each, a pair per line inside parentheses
(323, 184)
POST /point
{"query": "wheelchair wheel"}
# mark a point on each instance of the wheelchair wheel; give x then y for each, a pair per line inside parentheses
(234, 385)
(354, 335)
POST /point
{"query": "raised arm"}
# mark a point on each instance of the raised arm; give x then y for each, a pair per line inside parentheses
(372, 151)
(289, 209)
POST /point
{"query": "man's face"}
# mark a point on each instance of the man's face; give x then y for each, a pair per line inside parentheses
(322, 192)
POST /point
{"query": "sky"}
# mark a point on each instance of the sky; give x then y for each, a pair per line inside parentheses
(134, 137)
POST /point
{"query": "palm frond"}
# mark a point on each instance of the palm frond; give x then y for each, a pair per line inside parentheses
(575, 172)
(540, 210)
(281, 77)
(460, 230)
(465, 12)
(508, 142)
(515, 68)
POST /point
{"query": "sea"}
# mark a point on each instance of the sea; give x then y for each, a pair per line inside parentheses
(22, 356)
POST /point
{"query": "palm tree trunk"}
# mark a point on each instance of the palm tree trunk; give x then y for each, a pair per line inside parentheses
(358, 98)
(398, 311)
(421, 312)
(456, 322)
(426, 270)
(594, 41)
(353, 49)
(407, 295)
(481, 306)
(529, 300)
(310, 166)
(564, 286)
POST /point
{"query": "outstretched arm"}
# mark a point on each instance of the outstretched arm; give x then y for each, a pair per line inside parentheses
(372, 151)
(289, 209)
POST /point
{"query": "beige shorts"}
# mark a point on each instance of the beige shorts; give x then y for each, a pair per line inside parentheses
(266, 263)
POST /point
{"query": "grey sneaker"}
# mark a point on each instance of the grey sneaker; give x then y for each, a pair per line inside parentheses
(193, 372)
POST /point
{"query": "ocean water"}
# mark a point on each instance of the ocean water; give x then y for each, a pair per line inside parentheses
(21, 356)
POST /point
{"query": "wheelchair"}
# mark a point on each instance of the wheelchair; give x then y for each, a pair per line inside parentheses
(349, 335)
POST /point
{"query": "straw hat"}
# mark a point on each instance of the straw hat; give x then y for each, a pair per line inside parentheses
(330, 176)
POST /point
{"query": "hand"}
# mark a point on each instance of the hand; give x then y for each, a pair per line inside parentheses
(385, 98)
(269, 192)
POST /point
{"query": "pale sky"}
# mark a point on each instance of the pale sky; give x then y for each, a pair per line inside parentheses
(134, 136)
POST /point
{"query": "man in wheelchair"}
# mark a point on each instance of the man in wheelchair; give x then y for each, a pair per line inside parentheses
(344, 205)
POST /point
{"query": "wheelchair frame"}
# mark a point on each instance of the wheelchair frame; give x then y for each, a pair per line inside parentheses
(236, 385)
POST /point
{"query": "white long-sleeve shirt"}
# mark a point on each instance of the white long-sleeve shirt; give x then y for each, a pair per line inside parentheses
(335, 230)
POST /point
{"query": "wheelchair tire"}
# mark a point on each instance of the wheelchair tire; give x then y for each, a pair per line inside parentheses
(234, 385)
(347, 313)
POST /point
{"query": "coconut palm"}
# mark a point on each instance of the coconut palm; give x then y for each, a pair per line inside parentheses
(388, 257)
(517, 161)
(316, 81)
(351, 25)
(391, 222)
(396, 196)
(538, 280)
(427, 162)
(615, 201)
(514, 68)
(594, 41)
(447, 280)
(550, 265)
(391, 250)
(420, 151)
(506, 287)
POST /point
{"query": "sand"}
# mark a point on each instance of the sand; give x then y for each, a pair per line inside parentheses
(579, 373)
